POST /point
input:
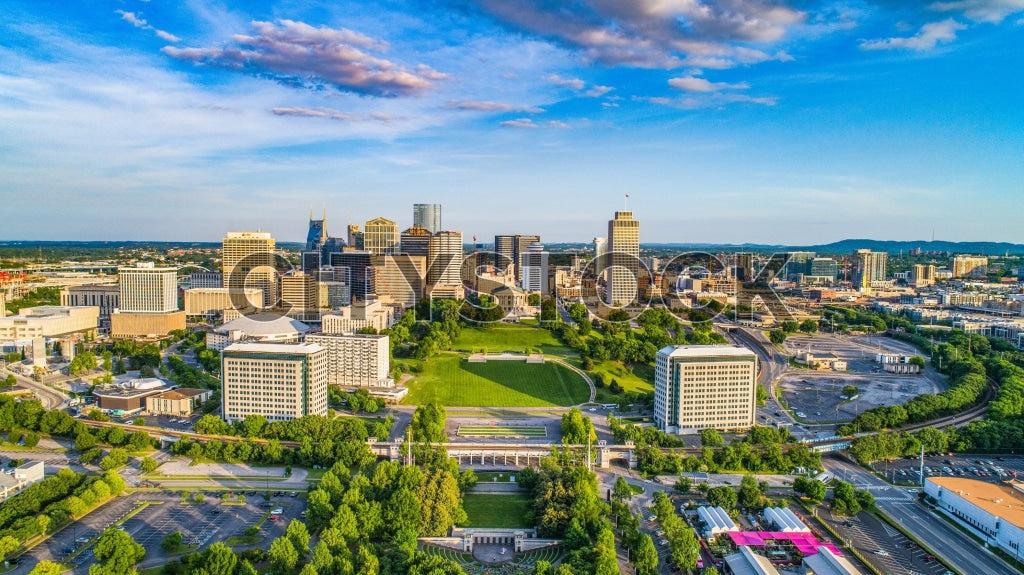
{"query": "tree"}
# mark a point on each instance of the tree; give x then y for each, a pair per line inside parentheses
(428, 422)
(47, 568)
(8, 544)
(711, 438)
(777, 336)
(645, 556)
(283, 556)
(918, 361)
(219, 559)
(576, 429)
(117, 554)
(850, 390)
(621, 490)
(297, 533)
(148, 464)
(683, 485)
(809, 326)
(172, 542)
(684, 546)
(722, 496)
(762, 395)
(790, 326)
(750, 493)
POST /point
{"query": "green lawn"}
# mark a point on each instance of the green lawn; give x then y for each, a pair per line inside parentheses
(451, 381)
(499, 511)
(502, 431)
(505, 337)
(634, 377)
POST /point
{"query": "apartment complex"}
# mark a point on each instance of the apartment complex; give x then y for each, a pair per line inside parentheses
(624, 248)
(871, 266)
(248, 261)
(280, 381)
(698, 387)
(975, 267)
(356, 360)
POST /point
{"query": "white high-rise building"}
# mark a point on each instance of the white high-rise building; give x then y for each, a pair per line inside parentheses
(624, 247)
(445, 260)
(534, 263)
(356, 360)
(704, 386)
(427, 216)
(280, 381)
(146, 288)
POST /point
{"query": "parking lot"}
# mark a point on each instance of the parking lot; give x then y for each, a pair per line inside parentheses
(884, 546)
(200, 524)
(990, 468)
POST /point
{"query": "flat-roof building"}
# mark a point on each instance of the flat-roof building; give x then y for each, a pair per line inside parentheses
(22, 476)
(280, 381)
(356, 360)
(257, 328)
(103, 296)
(357, 316)
(211, 302)
(129, 397)
(181, 402)
(995, 511)
(49, 321)
(704, 386)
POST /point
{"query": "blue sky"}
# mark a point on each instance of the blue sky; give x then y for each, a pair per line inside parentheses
(789, 121)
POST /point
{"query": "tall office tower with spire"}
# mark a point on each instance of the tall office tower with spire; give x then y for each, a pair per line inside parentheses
(316, 239)
(248, 261)
(380, 236)
(427, 216)
(624, 247)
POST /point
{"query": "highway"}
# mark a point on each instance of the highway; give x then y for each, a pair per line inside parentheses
(945, 541)
(50, 398)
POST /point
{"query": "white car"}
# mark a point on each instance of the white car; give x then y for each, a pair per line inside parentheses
(882, 553)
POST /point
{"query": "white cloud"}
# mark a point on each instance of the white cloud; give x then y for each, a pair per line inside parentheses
(573, 83)
(167, 36)
(137, 21)
(927, 38)
(597, 91)
(692, 84)
(299, 53)
(519, 123)
(992, 11)
(709, 100)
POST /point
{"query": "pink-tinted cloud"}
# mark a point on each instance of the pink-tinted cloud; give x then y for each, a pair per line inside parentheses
(489, 106)
(693, 84)
(299, 53)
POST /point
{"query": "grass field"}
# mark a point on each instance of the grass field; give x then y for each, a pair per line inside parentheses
(500, 511)
(502, 431)
(449, 380)
(632, 377)
(506, 337)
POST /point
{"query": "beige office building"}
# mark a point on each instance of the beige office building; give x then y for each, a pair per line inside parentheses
(359, 315)
(181, 402)
(299, 296)
(280, 381)
(211, 302)
(399, 278)
(49, 321)
(704, 386)
(248, 261)
(128, 325)
(923, 275)
(380, 236)
(445, 259)
(356, 360)
(624, 247)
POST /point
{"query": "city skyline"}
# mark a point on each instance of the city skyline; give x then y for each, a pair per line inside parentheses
(775, 123)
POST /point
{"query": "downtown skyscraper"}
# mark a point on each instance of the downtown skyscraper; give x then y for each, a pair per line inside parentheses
(624, 262)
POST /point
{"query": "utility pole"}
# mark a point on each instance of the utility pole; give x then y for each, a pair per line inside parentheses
(920, 470)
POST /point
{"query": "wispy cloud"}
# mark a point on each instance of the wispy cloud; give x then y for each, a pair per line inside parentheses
(578, 85)
(927, 38)
(993, 11)
(597, 91)
(655, 33)
(709, 100)
(489, 106)
(531, 125)
(693, 84)
(137, 21)
(299, 53)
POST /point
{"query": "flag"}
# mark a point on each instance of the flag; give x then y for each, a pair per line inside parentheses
(627, 195)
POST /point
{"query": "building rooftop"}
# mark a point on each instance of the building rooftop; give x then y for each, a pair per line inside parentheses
(746, 562)
(301, 348)
(1001, 500)
(263, 324)
(181, 393)
(705, 351)
(124, 391)
(825, 562)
